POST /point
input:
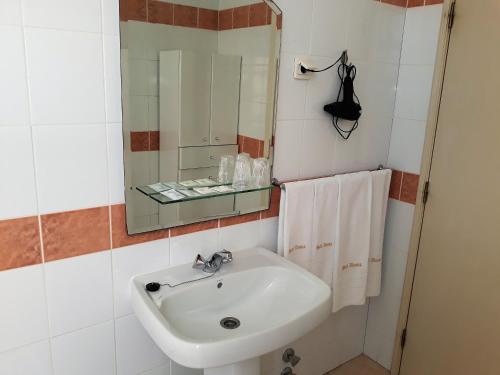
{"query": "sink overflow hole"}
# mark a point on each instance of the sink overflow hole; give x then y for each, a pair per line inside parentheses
(230, 323)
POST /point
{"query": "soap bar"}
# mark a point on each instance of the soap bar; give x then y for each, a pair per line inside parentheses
(205, 190)
(189, 183)
(223, 189)
(205, 182)
(172, 194)
(158, 187)
(174, 185)
(189, 193)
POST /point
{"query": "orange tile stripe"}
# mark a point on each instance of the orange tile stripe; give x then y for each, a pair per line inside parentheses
(150, 141)
(144, 141)
(411, 3)
(155, 11)
(74, 233)
(404, 186)
(252, 146)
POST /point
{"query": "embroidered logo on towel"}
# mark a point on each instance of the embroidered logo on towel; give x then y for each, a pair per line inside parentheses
(351, 265)
(296, 247)
(324, 245)
(375, 260)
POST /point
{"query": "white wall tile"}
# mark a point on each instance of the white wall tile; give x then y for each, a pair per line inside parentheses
(252, 116)
(112, 78)
(184, 248)
(287, 153)
(337, 340)
(379, 348)
(87, 351)
(135, 350)
(134, 260)
(414, 91)
(10, 12)
(31, 359)
(296, 38)
(65, 73)
(291, 92)
(387, 35)
(330, 18)
(241, 236)
(269, 234)
(70, 162)
(110, 17)
(375, 84)
(320, 136)
(78, 15)
(358, 153)
(384, 309)
(79, 292)
(322, 89)
(23, 316)
(421, 35)
(177, 369)
(136, 113)
(407, 142)
(17, 193)
(398, 225)
(13, 88)
(162, 370)
(360, 28)
(115, 164)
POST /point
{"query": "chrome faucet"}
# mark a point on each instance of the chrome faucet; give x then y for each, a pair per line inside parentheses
(214, 263)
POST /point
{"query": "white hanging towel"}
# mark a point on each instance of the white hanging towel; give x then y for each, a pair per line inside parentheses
(295, 226)
(350, 268)
(381, 181)
(326, 195)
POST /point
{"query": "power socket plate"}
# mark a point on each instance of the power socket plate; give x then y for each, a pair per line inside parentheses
(297, 73)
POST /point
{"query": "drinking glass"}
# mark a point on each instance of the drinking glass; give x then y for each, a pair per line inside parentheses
(261, 172)
(242, 172)
(226, 169)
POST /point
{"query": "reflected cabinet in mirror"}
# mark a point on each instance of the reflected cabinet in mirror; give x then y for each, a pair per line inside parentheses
(199, 80)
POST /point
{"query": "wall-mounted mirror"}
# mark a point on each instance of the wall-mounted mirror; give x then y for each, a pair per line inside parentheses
(199, 80)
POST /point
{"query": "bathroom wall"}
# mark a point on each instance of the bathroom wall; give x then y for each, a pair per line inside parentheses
(405, 153)
(65, 257)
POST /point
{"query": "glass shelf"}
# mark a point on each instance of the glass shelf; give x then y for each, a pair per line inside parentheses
(159, 192)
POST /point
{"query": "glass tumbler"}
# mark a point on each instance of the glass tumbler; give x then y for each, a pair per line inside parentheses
(242, 172)
(261, 172)
(226, 169)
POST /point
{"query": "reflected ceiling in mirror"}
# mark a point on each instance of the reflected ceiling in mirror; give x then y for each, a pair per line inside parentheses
(199, 84)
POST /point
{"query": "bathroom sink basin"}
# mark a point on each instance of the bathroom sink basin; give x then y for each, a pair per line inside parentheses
(256, 304)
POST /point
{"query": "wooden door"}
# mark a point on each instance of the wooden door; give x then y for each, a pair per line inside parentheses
(454, 318)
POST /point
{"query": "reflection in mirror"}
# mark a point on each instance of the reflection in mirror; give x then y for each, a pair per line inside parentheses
(198, 91)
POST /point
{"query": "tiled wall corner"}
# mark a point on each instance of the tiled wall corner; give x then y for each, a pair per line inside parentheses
(405, 155)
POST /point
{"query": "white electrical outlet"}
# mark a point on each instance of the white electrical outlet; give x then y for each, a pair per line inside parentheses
(297, 72)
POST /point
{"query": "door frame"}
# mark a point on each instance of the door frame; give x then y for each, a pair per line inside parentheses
(430, 133)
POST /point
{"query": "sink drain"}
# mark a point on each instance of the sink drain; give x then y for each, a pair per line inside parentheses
(230, 323)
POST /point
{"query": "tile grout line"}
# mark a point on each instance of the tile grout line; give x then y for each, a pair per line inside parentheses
(40, 228)
(106, 133)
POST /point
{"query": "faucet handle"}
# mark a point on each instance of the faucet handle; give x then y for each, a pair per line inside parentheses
(199, 262)
(287, 371)
(227, 256)
(290, 357)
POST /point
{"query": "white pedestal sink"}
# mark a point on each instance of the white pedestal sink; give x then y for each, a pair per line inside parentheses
(266, 301)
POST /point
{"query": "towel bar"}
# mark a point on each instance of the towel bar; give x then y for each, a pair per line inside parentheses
(281, 184)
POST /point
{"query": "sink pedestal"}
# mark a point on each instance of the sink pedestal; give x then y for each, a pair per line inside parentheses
(248, 367)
